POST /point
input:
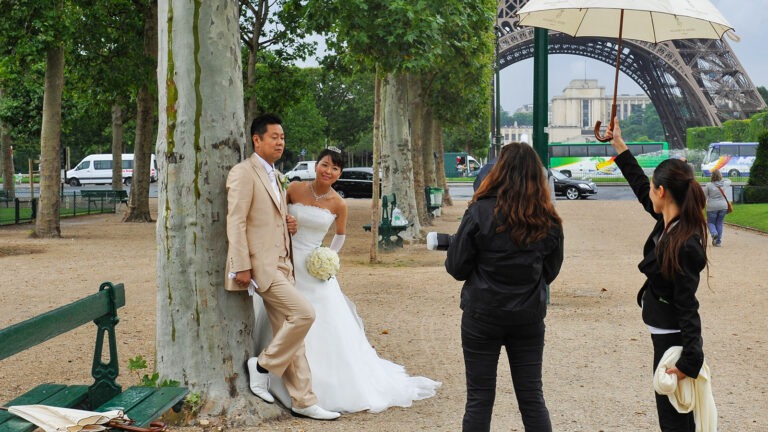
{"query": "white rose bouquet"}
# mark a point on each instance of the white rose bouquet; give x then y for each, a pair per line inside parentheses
(323, 263)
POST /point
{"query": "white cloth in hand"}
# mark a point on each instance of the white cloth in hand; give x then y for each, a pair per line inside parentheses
(688, 394)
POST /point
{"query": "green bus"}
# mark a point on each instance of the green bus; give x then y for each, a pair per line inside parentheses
(595, 159)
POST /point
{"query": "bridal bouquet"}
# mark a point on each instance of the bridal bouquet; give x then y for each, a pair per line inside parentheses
(323, 263)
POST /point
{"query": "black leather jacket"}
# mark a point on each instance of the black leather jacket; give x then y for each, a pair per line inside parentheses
(504, 283)
(668, 304)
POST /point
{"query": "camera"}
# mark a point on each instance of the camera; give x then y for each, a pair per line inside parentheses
(438, 241)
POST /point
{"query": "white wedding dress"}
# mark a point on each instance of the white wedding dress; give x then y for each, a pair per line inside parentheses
(347, 373)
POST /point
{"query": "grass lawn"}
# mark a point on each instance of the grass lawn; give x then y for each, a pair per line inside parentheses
(749, 215)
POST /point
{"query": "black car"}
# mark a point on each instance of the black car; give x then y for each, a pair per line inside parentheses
(355, 182)
(572, 188)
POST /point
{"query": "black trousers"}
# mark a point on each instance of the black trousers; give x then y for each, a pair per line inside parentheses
(669, 419)
(524, 343)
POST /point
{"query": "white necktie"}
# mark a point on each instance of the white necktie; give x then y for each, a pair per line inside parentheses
(273, 180)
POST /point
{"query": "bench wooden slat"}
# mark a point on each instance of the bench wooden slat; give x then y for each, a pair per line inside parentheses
(153, 407)
(45, 394)
(145, 404)
(126, 400)
(33, 331)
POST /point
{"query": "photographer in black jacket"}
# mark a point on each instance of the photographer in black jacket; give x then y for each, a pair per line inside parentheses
(673, 257)
(508, 247)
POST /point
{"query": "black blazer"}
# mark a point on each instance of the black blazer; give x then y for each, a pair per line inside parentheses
(668, 304)
(505, 283)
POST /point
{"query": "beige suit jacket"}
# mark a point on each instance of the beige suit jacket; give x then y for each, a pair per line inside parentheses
(256, 226)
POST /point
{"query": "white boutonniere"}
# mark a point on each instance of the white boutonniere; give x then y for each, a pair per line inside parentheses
(284, 182)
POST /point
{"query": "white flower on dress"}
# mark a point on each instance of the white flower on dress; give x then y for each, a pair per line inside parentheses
(323, 263)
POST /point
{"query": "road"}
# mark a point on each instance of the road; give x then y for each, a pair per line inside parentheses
(460, 191)
(463, 191)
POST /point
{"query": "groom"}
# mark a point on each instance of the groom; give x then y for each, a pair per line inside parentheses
(260, 259)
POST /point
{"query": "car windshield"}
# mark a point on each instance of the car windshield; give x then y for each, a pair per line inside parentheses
(558, 175)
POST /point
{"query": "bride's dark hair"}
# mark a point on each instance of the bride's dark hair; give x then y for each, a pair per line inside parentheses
(335, 154)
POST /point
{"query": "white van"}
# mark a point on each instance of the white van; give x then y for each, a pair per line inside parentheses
(304, 170)
(97, 169)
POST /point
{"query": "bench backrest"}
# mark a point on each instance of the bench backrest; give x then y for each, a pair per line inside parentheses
(100, 308)
(36, 330)
(386, 210)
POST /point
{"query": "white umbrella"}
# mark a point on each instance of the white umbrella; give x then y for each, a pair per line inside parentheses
(647, 20)
(56, 419)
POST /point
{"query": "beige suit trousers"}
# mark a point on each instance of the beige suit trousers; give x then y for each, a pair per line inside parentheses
(291, 316)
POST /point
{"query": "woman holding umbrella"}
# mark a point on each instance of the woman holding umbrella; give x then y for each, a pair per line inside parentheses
(674, 256)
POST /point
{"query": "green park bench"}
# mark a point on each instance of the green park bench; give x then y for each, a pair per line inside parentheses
(99, 196)
(141, 404)
(388, 233)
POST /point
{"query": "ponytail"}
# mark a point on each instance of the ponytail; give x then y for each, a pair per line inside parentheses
(677, 177)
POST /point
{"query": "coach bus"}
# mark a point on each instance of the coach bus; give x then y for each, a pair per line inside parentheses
(595, 159)
(733, 159)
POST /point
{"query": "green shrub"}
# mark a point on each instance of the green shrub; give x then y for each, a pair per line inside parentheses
(758, 174)
(755, 194)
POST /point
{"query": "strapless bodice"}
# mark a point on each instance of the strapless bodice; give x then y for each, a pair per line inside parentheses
(313, 225)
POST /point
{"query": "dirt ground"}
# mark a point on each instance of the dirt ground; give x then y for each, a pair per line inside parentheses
(597, 371)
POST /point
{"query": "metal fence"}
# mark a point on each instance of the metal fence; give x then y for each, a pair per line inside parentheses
(18, 210)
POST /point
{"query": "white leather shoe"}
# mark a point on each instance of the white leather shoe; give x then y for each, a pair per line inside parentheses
(258, 382)
(315, 412)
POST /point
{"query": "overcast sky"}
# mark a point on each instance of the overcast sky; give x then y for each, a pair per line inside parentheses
(749, 18)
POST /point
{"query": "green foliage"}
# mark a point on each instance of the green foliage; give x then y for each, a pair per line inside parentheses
(304, 124)
(522, 119)
(763, 93)
(699, 138)
(736, 130)
(749, 130)
(643, 126)
(138, 364)
(193, 402)
(758, 174)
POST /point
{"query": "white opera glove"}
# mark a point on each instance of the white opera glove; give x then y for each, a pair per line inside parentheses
(338, 242)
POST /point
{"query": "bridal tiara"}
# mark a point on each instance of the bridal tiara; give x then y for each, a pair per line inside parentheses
(334, 149)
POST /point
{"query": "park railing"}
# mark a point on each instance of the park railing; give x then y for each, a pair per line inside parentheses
(24, 210)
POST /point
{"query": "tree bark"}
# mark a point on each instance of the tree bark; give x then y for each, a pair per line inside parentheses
(440, 169)
(204, 333)
(47, 224)
(6, 155)
(416, 109)
(261, 14)
(396, 162)
(138, 201)
(375, 209)
(117, 147)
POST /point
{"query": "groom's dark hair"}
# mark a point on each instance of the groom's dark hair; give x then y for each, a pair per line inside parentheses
(260, 123)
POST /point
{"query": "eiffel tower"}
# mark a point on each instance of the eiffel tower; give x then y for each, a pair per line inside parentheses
(694, 82)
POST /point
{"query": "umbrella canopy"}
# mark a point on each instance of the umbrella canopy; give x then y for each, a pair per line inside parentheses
(647, 20)
(55, 419)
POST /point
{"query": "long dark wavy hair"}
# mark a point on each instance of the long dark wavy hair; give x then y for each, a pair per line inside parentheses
(677, 178)
(523, 203)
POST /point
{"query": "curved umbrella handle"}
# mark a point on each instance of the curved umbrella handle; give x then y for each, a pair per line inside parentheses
(610, 124)
(597, 132)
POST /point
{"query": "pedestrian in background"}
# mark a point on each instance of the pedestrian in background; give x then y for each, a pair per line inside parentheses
(717, 206)
(508, 247)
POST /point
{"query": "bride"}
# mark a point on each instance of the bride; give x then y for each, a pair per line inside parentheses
(347, 373)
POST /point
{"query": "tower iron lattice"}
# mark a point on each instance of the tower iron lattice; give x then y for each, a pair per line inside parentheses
(696, 82)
